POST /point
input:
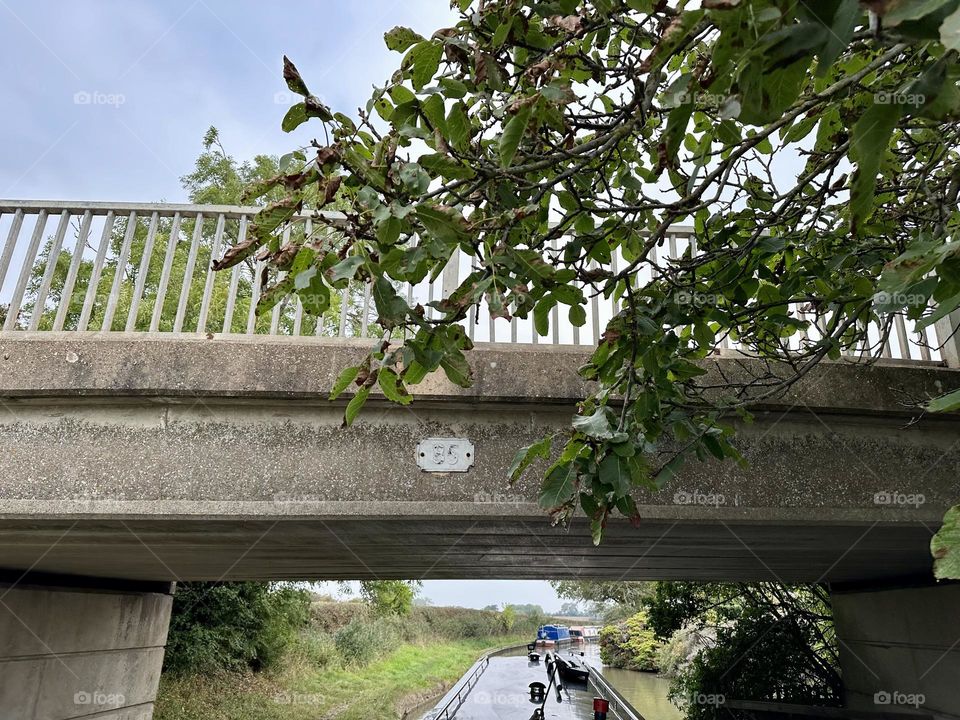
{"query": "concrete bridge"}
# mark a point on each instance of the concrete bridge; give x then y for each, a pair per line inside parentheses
(132, 458)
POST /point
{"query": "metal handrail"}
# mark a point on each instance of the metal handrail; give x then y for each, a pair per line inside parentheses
(144, 267)
(466, 684)
(618, 704)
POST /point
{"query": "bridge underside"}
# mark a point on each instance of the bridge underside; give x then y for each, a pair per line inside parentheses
(190, 458)
(423, 548)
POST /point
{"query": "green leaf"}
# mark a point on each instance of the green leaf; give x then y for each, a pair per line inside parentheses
(432, 109)
(559, 486)
(599, 425)
(577, 315)
(950, 31)
(458, 126)
(945, 547)
(443, 223)
(945, 403)
(457, 368)
(401, 38)
(392, 387)
(615, 472)
(669, 471)
(868, 145)
(512, 135)
(526, 456)
(353, 407)
(295, 117)
(343, 381)
(425, 57)
(346, 268)
(541, 314)
(841, 31)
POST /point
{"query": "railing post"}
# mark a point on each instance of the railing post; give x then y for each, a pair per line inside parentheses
(948, 337)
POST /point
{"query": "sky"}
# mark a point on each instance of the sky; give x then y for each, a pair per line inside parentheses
(108, 100)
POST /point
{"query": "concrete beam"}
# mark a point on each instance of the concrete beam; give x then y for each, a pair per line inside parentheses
(188, 458)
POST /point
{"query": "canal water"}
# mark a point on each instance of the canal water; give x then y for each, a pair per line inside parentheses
(645, 691)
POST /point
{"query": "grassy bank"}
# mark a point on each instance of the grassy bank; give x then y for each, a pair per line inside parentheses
(304, 690)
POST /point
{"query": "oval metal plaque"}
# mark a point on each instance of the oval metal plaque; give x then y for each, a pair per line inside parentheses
(445, 454)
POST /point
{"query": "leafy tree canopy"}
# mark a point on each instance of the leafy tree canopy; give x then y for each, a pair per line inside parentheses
(811, 146)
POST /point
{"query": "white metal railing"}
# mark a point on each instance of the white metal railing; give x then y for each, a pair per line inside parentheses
(145, 267)
(458, 694)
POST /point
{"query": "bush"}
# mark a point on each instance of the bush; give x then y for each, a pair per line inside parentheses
(630, 644)
(360, 642)
(232, 626)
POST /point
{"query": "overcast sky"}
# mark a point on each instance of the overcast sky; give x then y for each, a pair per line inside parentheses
(109, 99)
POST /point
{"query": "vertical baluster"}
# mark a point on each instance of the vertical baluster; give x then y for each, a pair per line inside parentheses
(93, 286)
(234, 281)
(364, 321)
(12, 237)
(298, 313)
(211, 279)
(255, 296)
(344, 308)
(903, 340)
(165, 273)
(924, 344)
(119, 273)
(555, 312)
(13, 311)
(142, 272)
(188, 274)
(52, 257)
(66, 295)
(281, 304)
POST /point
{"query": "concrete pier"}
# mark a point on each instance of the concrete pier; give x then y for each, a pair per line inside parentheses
(73, 648)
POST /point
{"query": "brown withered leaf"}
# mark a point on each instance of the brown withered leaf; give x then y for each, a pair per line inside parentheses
(330, 189)
(570, 23)
(237, 253)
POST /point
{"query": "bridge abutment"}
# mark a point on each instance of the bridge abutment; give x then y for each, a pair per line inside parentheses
(74, 648)
(900, 647)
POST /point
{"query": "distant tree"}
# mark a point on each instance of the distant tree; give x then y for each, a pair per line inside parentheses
(629, 594)
(508, 618)
(389, 597)
(216, 179)
(570, 609)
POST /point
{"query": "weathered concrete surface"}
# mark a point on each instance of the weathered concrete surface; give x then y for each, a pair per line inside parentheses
(900, 648)
(186, 458)
(78, 652)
